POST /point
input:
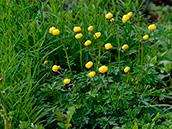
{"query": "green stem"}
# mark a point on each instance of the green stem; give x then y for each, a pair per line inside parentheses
(142, 53)
(129, 57)
(81, 55)
(109, 58)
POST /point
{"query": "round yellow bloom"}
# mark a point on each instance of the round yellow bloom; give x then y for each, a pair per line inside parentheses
(109, 15)
(56, 32)
(126, 69)
(103, 69)
(70, 125)
(91, 74)
(77, 29)
(130, 14)
(112, 19)
(152, 27)
(89, 64)
(125, 47)
(125, 18)
(132, 80)
(145, 37)
(45, 62)
(51, 30)
(108, 46)
(137, 83)
(97, 35)
(88, 42)
(78, 36)
(66, 81)
(55, 68)
(90, 28)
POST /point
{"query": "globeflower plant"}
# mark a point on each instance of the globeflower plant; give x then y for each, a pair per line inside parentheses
(77, 29)
(103, 69)
(89, 64)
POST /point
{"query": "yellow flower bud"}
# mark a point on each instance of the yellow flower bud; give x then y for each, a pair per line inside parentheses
(97, 35)
(78, 36)
(108, 46)
(109, 15)
(132, 80)
(90, 28)
(66, 81)
(137, 83)
(70, 125)
(130, 14)
(125, 47)
(91, 74)
(112, 19)
(45, 62)
(56, 32)
(145, 37)
(55, 68)
(89, 64)
(125, 18)
(126, 69)
(152, 27)
(88, 42)
(76, 29)
(51, 30)
(103, 69)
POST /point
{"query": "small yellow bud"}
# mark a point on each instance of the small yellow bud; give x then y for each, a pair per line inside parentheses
(91, 74)
(132, 80)
(76, 29)
(70, 125)
(109, 15)
(51, 30)
(145, 37)
(112, 19)
(130, 14)
(88, 42)
(66, 81)
(137, 83)
(45, 62)
(90, 28)
(125, 47)
(152, 27)
(108, 46)
(89, 64)
(126, 69)
(55, 68)
(97, 35)
(103, 69)
(56, 32)
(78, 36)
(125, 18)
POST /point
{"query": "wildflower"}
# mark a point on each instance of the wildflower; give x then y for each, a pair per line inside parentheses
(103, 69)
(66, 81)
(55, 68)
(56, 32)
(90, 28)
(125, 18)
(97, 35)
(125, 47)
(91, 74)
(1, 79)
(112, 19)
(70, 125)
(132, 80)
(45, 62)
(136, 83)
(145, 37)
(88, 42)
(78, 36)
(109, 15)
(108, 46)
(152, 27)
(89, 64)
(126, 69)
(51, 30)
(130, 14)
(76, 29)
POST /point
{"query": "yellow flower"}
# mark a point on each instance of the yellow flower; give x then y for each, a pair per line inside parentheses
(109, 15)
(108, 46)
(45, 62)
(103, 69)
(51, 30)
(77, 29)
(137, 83)
(125, 18)
(88, 42)
(90, 28)
(126, 69)
(145, 37)
(130, 14)
(125, 47)
(70, 125)
(112, 19)
(91, 74)
(55, 68)
(97, 35)
(89, 64)
(66, 81)
(132, 80)
(152, 27)
(56, 32)
(78, 36)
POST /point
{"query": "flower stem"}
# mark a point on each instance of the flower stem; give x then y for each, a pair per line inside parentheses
(109, 58)
(81, 55)
(129, 57)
